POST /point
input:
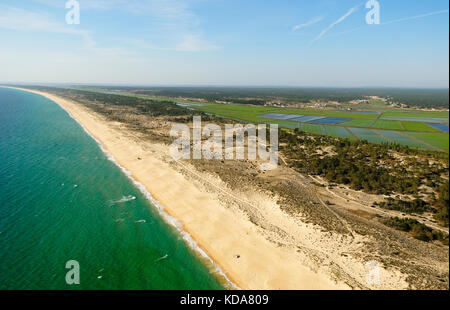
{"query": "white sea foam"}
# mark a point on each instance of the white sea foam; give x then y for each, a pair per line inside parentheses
(168, 219)
(161, 258)
(123, 199)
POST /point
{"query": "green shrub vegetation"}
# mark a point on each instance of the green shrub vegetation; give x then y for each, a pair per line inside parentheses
(415, 206)
(416, 229)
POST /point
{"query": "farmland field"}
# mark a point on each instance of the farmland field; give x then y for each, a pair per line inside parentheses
(417, 126)
(383, 124)
(314, 128)
(331, 120)
(386, 125)
(438, 140)
(359, 123)
(400, 138)
(441, 120)
(340, 132)
(416, 114)
(369, 135)
(441, 127)
(374, 122)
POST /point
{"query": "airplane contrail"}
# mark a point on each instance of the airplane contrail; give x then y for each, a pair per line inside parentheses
(341, 19)
(307, 24)
(414, 17)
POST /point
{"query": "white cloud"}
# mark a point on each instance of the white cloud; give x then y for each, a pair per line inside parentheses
(307, 24)
(192, 43)
(22, 20)
(341, 19)
(172, 19)
(187, 43)
(87, 4)
(16, 19)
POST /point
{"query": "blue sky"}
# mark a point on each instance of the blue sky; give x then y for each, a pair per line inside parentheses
(226, 42)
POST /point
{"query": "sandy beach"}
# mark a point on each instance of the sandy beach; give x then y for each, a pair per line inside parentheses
(219, 231)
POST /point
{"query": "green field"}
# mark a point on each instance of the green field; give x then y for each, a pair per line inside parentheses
(340, 132)
(400, 138)
(391, 125)
(313, 128)
(368, 135)
(438, 140)
(387, 125)
(426, 119)
(404, 113)
(359, 123)
(417, 126)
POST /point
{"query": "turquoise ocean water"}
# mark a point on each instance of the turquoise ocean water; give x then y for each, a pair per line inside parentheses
(61, 199)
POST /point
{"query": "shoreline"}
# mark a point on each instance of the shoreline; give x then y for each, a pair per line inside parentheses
(262, 265)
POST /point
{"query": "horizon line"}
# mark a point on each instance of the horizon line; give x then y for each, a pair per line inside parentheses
(217, 85)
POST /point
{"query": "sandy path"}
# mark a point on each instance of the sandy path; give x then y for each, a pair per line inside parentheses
(221, 232)
(345, 200)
